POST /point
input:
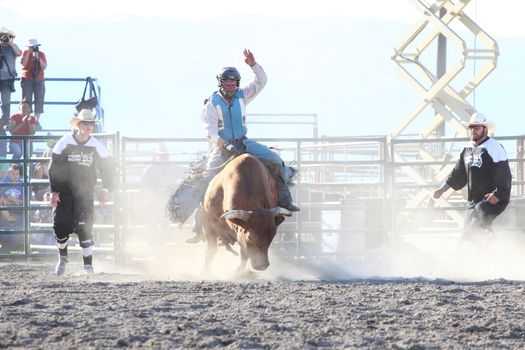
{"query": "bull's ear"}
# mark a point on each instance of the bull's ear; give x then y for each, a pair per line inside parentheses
(278, 220)
(239, 223)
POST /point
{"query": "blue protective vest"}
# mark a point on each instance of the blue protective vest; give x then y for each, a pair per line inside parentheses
(232, 118)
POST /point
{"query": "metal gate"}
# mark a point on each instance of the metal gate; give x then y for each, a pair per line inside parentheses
(355, 193)
(26, 229)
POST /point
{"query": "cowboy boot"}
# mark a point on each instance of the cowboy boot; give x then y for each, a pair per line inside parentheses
(285, 197)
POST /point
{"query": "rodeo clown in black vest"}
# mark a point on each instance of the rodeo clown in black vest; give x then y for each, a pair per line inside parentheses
(72, 178)
(224, 119)
(483, 167)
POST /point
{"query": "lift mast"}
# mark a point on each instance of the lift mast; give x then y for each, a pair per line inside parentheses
(439, 91)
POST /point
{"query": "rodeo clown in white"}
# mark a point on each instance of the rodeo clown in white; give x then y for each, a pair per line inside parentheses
(484, 168)
(72, 177)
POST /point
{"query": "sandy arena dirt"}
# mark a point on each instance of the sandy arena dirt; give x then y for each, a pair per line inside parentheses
(432, 293)
(111, 310)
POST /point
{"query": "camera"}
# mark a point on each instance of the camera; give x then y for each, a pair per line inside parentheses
(35, 48)
(4, 38)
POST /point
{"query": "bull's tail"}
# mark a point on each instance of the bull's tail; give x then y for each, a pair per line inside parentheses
(185, 198)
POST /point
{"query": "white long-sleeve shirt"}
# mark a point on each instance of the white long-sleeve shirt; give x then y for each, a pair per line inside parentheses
(211, 115)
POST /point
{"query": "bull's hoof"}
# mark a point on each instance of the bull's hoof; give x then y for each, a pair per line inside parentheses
(199, 237)
(244, 275)
(260, 267)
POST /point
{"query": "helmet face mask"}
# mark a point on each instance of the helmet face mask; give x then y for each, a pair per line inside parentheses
(228, 79)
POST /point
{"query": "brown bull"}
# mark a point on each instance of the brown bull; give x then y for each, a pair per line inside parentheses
(240, 205)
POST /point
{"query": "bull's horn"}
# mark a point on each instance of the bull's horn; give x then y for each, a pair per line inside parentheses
(278, 211)
(243, 215)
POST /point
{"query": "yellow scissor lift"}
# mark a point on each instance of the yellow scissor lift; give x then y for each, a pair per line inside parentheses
(440, 93)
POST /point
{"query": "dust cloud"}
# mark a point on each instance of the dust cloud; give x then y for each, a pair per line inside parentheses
(437, 256)
(155, 248)
(433, 256)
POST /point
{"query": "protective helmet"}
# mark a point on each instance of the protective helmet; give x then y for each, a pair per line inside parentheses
(229, 73)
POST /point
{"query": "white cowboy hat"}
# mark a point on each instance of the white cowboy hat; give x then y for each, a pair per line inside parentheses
(85, 115)
(161, 149)
(32, 42)
(479, 119)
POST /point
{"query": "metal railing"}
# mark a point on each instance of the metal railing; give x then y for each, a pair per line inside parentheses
(74, 96)
(32, 234)
(355, 193)
(332, 172)
(419, 166)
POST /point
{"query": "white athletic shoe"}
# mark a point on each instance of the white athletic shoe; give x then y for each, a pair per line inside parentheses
(61, 265)
(89, 269)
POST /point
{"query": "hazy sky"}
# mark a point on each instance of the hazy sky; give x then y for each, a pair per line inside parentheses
(502, 17)
(156, 58)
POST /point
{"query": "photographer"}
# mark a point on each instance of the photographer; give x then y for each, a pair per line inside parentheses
(8, 54)
(34, 63)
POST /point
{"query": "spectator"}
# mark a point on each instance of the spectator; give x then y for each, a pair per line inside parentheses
(8, 54)
(44, 215)
(72, 177)
(156, 182)
(12, 196)
(22, 123)
(160, 175)
(8, 242)
(41, 172)
(34, 63)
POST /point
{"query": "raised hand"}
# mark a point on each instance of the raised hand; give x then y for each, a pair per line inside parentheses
(248, 57)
